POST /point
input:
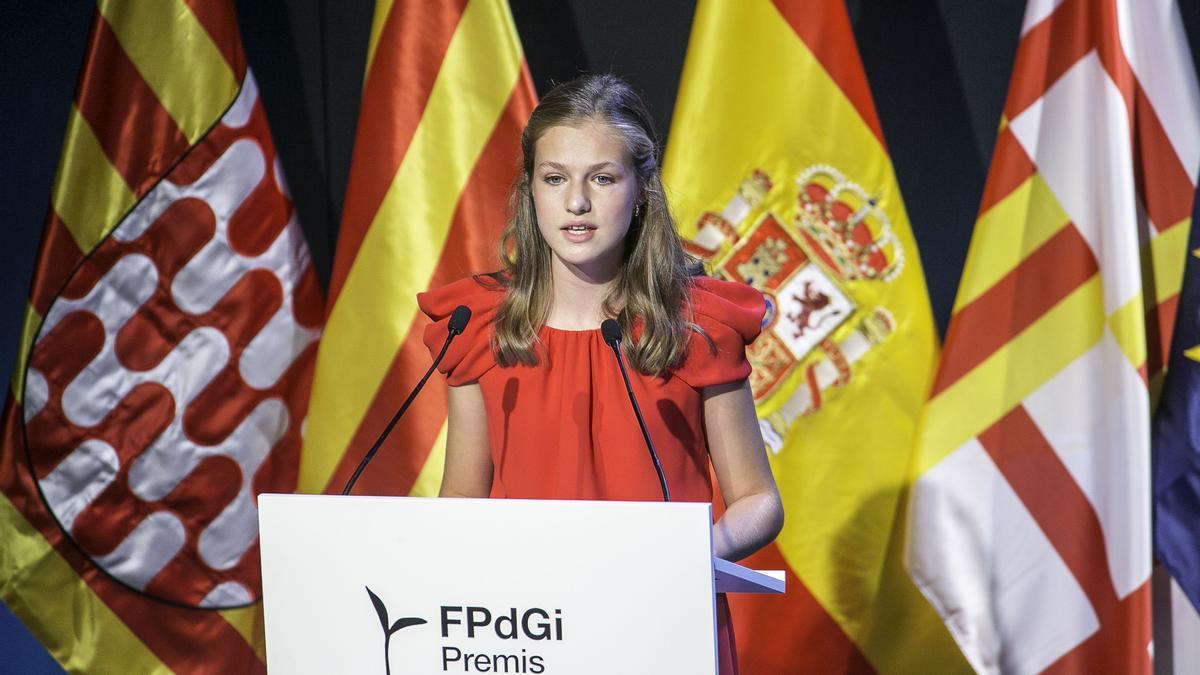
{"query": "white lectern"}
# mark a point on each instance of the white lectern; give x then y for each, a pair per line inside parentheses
(413, 586)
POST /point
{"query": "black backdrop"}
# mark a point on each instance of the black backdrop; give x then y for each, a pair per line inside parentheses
(938, 70)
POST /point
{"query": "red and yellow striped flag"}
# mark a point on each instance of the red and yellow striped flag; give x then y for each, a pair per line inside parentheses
(446, 96)
(167, 351)
(780, 176)
(1030, 515)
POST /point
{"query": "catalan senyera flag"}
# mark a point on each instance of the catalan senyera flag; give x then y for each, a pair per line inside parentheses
(445, 98)
(168, 348)
(780, 178)
(1031, 512)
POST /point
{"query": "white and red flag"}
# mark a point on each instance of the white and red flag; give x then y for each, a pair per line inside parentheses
(170, 339)
(1030, 517)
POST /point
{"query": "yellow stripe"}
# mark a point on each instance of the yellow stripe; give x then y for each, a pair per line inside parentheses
(1128, 326)
(177, 58)
(1168, 255)
(1014, 371)
(429, 481)
(90, 196)
(1008, 232)
(382, 9)
(1165, 258)
(59, 608)
(400, 251)
(248, 621)
(29, 328)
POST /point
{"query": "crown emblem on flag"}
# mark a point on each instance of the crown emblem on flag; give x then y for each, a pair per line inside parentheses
(846, 227)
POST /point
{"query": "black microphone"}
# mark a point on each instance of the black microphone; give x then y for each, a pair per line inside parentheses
(611, 332)
(457, 324)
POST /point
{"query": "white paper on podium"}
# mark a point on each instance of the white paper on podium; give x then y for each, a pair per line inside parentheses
(601, 587)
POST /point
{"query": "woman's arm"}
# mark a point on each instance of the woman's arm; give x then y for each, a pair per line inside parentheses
(468, 471)
(753, 511)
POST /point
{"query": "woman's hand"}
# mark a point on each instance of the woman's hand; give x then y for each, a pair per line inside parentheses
(468, 471)
(753, 510)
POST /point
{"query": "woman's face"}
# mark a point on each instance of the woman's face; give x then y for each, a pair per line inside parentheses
(584, 190)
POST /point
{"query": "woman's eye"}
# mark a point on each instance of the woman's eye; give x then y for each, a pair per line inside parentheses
(603, 179)
(553, 179)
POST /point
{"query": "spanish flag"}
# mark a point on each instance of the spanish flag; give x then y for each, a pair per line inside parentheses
(168, 348)
(781, 179)
(1031, 512)
(445, 98)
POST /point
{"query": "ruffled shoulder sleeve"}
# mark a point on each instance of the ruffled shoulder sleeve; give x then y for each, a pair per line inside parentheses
(470, 355)
(731, 315)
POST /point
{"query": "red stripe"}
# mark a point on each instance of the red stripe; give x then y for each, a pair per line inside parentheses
(1120, 647)
(408, 56)
(790, 633)
(137, 134)
(824, 27)
(1028, 291)
(471, 247)
(220, 22)
(1047, 51)
(1162, 181)
(1011, 167)
(1064, 514)
(186, 640)
(57, 257)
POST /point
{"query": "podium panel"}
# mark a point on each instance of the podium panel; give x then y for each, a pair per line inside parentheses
(486, 586)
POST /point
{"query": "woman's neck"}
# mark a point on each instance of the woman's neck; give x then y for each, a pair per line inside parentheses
(577, 302)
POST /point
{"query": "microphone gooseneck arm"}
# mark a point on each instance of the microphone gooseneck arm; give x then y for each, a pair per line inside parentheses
(458, 322)
(611, 332)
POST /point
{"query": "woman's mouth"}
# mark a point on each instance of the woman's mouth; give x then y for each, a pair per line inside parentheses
(577, 233)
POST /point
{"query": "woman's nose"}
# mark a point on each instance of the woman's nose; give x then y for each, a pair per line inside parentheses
(577, 201)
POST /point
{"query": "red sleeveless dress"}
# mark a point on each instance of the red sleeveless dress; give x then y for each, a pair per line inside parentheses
(564, 429)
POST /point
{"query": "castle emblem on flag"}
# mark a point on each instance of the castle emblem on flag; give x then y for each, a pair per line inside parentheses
(167, 385)
(809, 269)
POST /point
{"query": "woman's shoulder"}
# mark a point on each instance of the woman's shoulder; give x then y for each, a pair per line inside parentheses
(734, 304)
(470, 354)
(729, 317)
(480, 291)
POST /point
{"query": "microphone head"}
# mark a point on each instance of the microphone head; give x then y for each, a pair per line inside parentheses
(610, 330)
(459, 319)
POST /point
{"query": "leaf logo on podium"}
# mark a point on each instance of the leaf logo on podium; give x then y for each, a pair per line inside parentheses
(390, 629)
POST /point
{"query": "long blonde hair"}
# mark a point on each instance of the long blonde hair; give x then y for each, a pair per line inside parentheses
(654, 277)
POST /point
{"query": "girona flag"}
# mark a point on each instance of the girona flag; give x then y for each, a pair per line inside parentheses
(169, 343)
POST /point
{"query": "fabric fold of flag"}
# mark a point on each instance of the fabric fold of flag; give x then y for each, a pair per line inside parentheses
(168, 348)
(781, 179)
(445, 98)
(1030, 518)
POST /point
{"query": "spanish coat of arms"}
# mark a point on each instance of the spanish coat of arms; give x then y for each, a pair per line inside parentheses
(805, 269)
